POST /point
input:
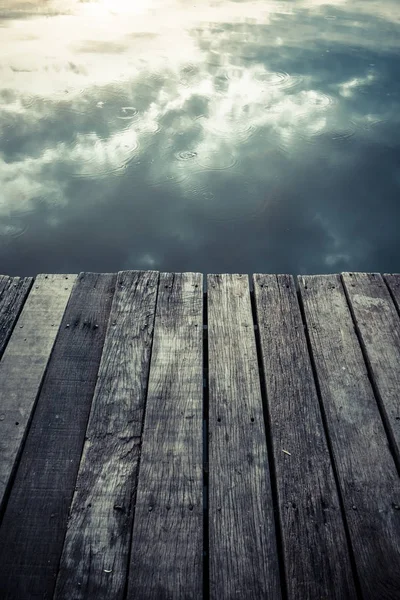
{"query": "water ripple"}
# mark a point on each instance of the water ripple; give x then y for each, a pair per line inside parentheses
(217, 161)
(205, 160)
(186, 155)
(280, 79)
(128, 113)
(12, 230)
(236, 128)
(103, 158)
(339, 134)
(320, 100)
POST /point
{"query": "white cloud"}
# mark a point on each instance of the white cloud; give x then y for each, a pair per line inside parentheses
(350, 87)
(29, 179)
(146, 261)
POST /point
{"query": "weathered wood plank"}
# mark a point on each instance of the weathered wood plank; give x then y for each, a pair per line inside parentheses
(24, 362)
(35, 521)
(393, 283)
(167, 541)
(378, 326)
(94, 560)
(13, 292)
(243, 552)
(366, 470)
(316, 555)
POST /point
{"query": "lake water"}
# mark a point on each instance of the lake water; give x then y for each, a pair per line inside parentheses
(209, 136)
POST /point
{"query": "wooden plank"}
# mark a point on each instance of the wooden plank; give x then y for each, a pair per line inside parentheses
(95, 553)
(316, 555)
(393, 283)
(378, 326)
(243, 552)
(35, 521)
(167, 542)
(13, 292)
(23, 365)
(366, 470)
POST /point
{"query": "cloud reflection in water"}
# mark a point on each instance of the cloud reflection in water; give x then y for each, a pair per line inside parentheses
(226, 136)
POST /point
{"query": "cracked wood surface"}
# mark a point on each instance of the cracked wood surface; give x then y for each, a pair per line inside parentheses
(13, 292)
(316, 554)
(167, 544)
(44, 484)
(378, 326)
(23, 365)
(367, 474)
(96, 548)
(243, 554)
(130, 469)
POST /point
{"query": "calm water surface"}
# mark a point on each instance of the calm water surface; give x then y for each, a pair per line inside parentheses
(207, 135)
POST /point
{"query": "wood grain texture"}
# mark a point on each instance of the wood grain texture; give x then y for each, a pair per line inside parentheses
(243, 552)
(95, 554)
(366, 470)
(316, 555)
(34, 524)
(13, 293)
(393, 282)
(378, 326)
(167, 541)
(24, 362)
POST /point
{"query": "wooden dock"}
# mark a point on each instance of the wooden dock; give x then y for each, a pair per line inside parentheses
(165, 439)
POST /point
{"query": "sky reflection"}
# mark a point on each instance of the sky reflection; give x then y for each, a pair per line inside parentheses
(223, 136)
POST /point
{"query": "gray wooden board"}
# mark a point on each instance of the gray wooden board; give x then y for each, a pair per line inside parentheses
(94, 560)
(378, 325)
(242, 542)
(316, 554)
(366, 470)
(34, 524)
(13, 292)
(24, 362)
(393, 283)
(167, 541)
